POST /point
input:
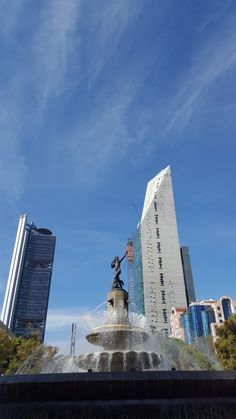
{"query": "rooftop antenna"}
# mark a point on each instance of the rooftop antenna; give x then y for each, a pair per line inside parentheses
(73, 337)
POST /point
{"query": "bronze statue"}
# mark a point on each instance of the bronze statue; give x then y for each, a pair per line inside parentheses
(117, 282)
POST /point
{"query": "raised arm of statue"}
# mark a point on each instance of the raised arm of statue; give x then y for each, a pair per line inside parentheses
(123, 256)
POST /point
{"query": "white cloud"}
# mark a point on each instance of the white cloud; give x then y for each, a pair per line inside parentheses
(86, 320)
(42, 63)
(53, 43)
(215, 60)
(59, 321)
(110, 134)
(104, 137)
(12, 163)
(70, 42)
(108, 25)
(217, 13)
(9, 15)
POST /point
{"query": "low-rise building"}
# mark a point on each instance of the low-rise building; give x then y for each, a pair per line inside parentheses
(201, 318)
(177, 330)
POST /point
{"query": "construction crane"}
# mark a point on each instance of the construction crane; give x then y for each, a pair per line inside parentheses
(73, 337)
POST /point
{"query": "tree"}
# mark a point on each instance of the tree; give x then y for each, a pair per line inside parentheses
(27, 354)
(226, 344)
(22, 348)
(5, 351)
(182, 356)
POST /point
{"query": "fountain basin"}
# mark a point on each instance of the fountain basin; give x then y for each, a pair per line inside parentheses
(118, 361)
(117, 336)
(139, 395)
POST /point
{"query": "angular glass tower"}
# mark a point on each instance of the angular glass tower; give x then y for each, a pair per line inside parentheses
(26, 299)
(158, 273)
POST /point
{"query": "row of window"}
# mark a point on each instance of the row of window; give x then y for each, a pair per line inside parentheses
(162, 279)
(164, 313)
(163, 297)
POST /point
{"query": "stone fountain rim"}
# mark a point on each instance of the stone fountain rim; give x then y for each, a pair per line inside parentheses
(118, 327)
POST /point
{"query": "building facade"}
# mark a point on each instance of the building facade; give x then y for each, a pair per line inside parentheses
(176, 327)
(201, 318)
(196, 321)
(26, 299)
(223, 310)
(157, 268)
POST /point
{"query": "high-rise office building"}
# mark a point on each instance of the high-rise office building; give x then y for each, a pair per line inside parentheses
(157, 268)
(188, 276)
(26, 299)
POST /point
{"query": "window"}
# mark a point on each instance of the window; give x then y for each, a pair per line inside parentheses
(156, 218)
(163, 297)
(159, 247)
(226, 305)
(160, 262)
(164, 312)
(155, 205)
(162, 279)
(157, 232)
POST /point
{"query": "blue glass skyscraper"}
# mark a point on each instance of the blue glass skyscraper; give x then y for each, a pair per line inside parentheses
(27, 293)
(196, 321)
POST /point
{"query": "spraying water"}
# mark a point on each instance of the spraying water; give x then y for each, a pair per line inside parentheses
(135, 352)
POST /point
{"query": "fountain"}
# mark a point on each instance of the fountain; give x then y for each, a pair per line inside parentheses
(123, 345)
(121, 386)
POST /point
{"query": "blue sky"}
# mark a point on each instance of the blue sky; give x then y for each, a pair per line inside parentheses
(96, 97)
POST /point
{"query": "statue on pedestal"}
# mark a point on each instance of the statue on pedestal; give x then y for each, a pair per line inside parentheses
(117, 282)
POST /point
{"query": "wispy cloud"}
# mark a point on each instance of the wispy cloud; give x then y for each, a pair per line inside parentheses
(215, 60)
(107, 28)
(12, 163)
(104, 138)
(13, 167)
(63, 318)
(9, 15)
(72, 45)
(69, 54)
(216, 14)
(80, 34)
(28, 82)
(52, 45)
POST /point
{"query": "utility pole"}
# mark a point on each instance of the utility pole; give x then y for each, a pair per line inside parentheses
(73, 337)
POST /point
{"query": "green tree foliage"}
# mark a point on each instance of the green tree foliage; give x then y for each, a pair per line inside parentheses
(226, 344)
(17, 352)
(180, 356)
(6, 350)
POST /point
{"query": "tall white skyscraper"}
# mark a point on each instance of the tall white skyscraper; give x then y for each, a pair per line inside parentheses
(157, 268)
